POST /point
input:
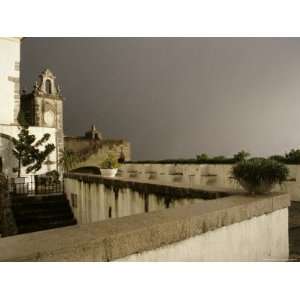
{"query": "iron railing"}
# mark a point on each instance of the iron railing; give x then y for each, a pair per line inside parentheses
(34, 185)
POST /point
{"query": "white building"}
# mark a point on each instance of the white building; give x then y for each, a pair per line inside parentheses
(44, 106)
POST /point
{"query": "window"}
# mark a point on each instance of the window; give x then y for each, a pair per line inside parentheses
(1, 165)
(48, 87)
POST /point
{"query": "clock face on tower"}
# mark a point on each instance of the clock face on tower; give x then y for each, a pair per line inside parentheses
(49, 118)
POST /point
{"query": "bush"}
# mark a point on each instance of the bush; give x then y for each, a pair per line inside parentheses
(293, 156)
(3, 182)
(259, 175)
(110, 162)
(202, 157)
(278, 158)
(240, 156)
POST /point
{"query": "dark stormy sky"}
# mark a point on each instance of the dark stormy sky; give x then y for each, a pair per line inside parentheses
(176, 97)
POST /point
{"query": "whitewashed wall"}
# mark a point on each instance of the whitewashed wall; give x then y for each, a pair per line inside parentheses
(93, 202)
(9, 57)
(263, 238)
(211, 175)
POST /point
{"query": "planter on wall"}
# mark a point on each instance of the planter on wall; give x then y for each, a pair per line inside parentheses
(108, 172)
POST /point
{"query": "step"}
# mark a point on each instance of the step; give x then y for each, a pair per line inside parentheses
(42, 213)
(46, 218)
(36, 206)
(38, 227)
(41, 210)
(38, 201)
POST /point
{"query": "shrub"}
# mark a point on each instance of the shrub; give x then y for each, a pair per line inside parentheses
(259, 175)
(240, 156)
(3, 181)
(110, 162)
(219, 158)
(202, 157)
(293, 156)
(278, 158)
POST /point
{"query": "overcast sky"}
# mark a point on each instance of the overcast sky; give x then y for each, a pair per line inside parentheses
(176, 97)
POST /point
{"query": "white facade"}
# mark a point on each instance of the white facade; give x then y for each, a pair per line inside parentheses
(9, 70)
(9, 110)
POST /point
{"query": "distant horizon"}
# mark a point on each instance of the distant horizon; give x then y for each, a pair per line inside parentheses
(175, 98)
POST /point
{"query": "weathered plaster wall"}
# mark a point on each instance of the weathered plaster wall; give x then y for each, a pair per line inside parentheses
(103, 147)
(94, 199)
(263, 238)
(6, 146)
(233, 228)
(9, 80)
(216, 176)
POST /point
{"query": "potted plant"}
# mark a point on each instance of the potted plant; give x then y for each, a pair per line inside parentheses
(109, 166)
(259, 175)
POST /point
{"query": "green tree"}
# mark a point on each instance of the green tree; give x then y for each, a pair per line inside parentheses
(202, 157)
(293, 156)
(240, 156)
(27, 150)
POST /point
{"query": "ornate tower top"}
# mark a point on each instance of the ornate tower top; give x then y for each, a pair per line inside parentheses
(93, 133)
(46, 85)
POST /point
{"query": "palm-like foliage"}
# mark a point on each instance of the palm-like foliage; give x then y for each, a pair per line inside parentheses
(69, 159)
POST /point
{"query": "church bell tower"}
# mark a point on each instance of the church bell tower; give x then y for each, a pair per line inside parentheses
(43, 107)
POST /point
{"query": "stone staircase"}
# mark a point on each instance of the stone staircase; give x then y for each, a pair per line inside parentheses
(35, 213)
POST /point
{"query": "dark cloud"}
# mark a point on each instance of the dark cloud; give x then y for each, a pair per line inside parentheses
(176, 97)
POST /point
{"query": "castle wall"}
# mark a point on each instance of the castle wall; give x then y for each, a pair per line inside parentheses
(9, 80)
(103, 148)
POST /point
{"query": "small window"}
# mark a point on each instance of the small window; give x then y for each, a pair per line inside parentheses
(48, 87)
(1, 165)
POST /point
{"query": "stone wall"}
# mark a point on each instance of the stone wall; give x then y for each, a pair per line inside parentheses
(94, 198)
(95, 151)
(240, 228)
(262, 238)
(217, 176)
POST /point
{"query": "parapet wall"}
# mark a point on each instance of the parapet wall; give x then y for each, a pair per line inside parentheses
(217, 176)
(94, 198)
(231, 228)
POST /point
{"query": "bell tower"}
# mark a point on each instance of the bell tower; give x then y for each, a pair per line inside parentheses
(47, 101)
(43, 107)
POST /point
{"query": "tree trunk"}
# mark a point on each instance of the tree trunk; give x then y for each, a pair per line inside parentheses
(19, 168)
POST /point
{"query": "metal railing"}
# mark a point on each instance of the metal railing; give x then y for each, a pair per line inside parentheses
(35, 186)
